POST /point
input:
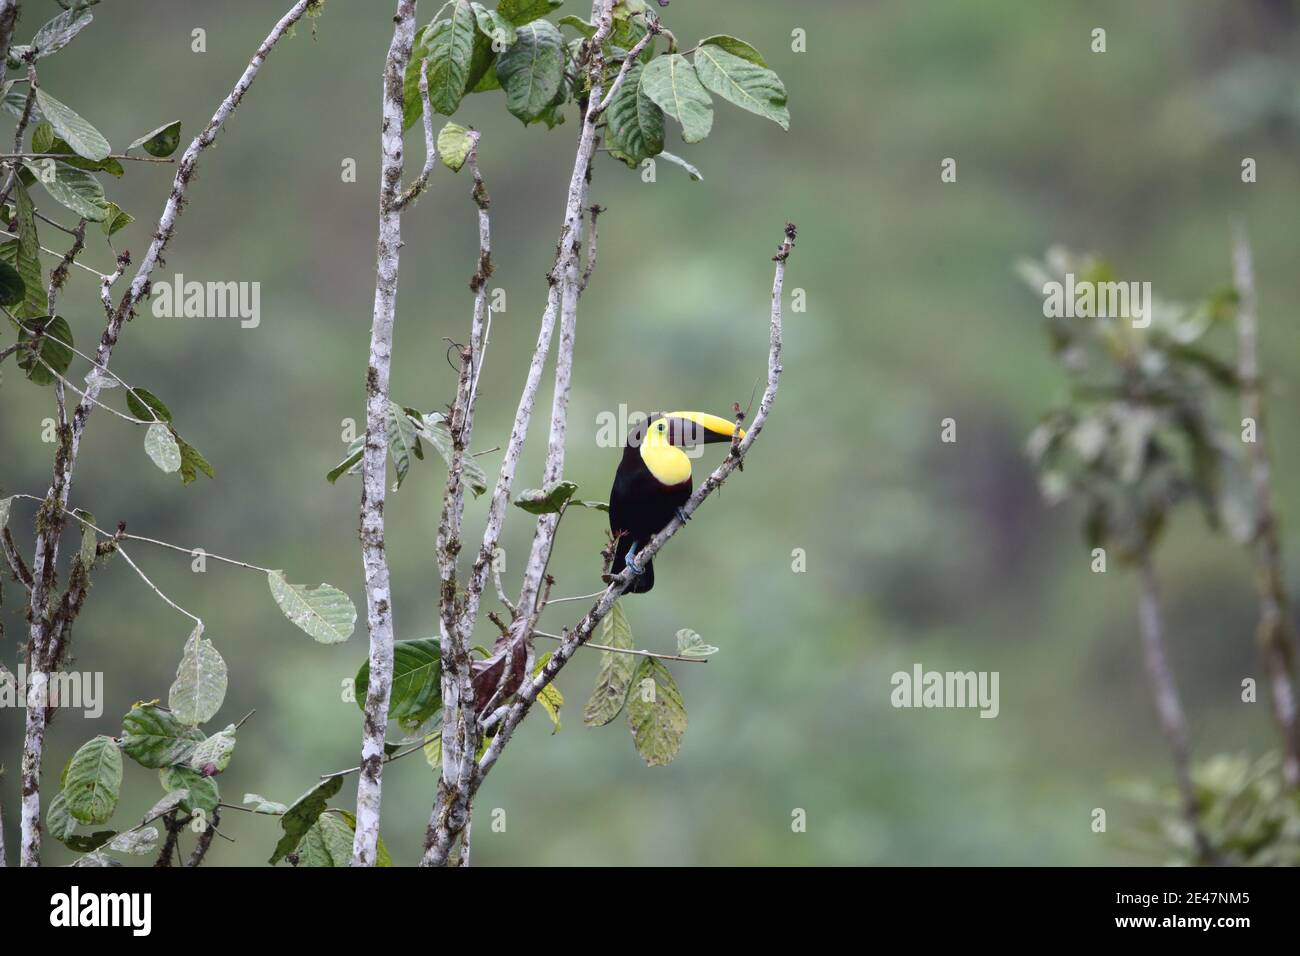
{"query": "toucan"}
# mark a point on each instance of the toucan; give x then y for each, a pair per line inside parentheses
(653, 481)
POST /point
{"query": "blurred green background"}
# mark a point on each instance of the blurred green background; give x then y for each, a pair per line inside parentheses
(916, 550)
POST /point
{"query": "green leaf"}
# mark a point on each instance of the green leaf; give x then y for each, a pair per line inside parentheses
(433, 427)
(154, 738)
(192, 462)
(636, 123)
(549, 696)
(147, 406)
(324, 612)
(12, 287)
(403, 442)
(453, 146)
(451, 47)
(520, 12)
(671, 82)
(84, 139)
(93, 780)
(588, 30)
(74, 188)
(45, 141)
(328, 842)
(200, 685)
(593, 505)
(690, 644)
(167, 803)
(213, 754)
(694, 173)
(161, 446)
(115, 219)
(263, 805)
(416, 690)
(161, 142)
(531, 71)
(433, 751)
(201, 793)
(735, 47)
(494, 26)
(743, 82)
(27, 258)
(615, 674)
(136, 842)
(59, 823)
(551, 501)
(55, 350)
(349, 465)
(58, 32)
(657, 723)
(304, 811)
(412, 106)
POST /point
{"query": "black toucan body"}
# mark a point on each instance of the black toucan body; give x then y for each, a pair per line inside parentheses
(653, 481)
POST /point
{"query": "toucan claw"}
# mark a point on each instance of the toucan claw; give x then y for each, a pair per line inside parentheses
(630, 563)
(682, 515)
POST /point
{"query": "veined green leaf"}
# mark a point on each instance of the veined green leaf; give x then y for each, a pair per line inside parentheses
(200, 685)
(656, 714)
(451, 47)
(494, 26)
(59, 31)
(297, 820)
(84, 139)
(161, 142)
(743, 82)
(55, 350)
(636, 123)
(615, 674)
(212, 754)
(161, 446)
(27, 260)
(520, 12)
(550, 501)
(671, 82)
(74, 188)
(532, 70)
(416, 690)
(453, 146)
(154, 738)
(93, 780)
(324, 612)
(201, 793)
(676, 160)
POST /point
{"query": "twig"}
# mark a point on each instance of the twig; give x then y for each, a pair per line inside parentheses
(626, 650)
(1276, 631)
(430, 147)
(65, 156)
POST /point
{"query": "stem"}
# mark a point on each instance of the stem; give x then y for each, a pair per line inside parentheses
(1276, 631)
(1168, 705)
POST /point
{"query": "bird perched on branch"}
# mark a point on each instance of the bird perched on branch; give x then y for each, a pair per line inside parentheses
(653, 481)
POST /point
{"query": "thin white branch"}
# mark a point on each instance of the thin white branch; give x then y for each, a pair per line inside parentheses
(374, 460)
(1276, 628)
(430, 146)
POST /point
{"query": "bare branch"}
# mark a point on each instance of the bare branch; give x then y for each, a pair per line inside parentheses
(374, 460)
(1276, 631)
(430, 147)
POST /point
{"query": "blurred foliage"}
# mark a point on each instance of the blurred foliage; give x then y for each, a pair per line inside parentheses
(1249, 815)
(1139, 434)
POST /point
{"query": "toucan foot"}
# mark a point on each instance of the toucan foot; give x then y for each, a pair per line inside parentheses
(683, 516)
(630, 563)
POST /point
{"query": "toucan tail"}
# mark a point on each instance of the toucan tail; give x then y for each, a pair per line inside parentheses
(640, 584)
